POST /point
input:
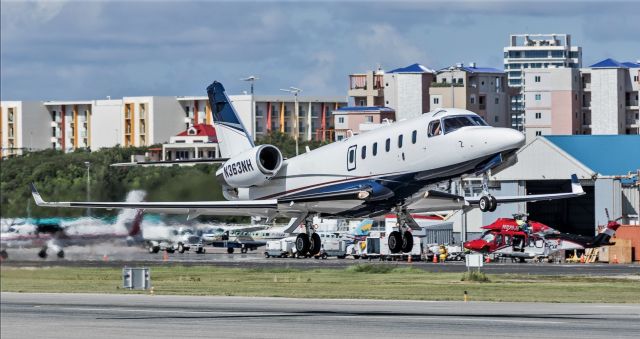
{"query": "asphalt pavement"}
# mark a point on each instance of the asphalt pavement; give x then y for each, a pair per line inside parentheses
(144, 316)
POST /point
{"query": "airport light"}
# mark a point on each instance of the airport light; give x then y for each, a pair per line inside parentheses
(295, 91)
(88, 164)
(252, 79)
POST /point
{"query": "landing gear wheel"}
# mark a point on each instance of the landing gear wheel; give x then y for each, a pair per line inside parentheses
(484, 203)
(302, 244)
(395, 242)
(266, 255)
(154, 249)
(230, 250)
(315, 244)
(60, 254)
(407, 242)
(180, 248)
(42, 253)
(244, 250)
(4, 255)
(493, 203)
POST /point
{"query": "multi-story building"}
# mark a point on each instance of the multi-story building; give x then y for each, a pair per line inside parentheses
(535, 51)
(24, 125)
(70, 124)
(367, 89)
(610, 95)
(406, 90)
(478, 89)
(196, 142)
(354, 120)
(600, 99)
(553, 101)
(273, 113)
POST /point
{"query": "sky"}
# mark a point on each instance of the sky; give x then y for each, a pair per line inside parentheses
(81, 50)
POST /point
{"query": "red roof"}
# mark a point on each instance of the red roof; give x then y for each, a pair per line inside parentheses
(202, 130)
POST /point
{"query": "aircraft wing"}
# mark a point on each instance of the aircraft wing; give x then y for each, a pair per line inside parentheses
(263, 208)
(190, 162)
(576, 191)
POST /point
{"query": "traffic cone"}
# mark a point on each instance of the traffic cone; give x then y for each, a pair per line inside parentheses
(105, 258)
(582, 260)
(615, 259)
(435, 258)
(488, 259)
(410, 259)
(165, 256)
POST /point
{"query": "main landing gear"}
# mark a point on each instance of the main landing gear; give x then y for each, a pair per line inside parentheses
(309, 243)
(401, 240)
(488, 202)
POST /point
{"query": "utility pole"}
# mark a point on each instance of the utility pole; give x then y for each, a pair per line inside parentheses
(88, 164)
(453, 92)
(296, 120)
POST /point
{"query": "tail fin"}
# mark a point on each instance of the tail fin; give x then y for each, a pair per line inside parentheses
(364, 227)
(602, 239)
(233, 137)
(131, 219)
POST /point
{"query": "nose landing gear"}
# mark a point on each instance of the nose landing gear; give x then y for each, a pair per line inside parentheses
(401, 240)
(308, 243)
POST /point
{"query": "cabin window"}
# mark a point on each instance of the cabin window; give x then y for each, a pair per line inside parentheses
(374, 151)
(387, 145)
(400, 141)
(414, 137)
(352, 155)
(434, 128)
(364, 152)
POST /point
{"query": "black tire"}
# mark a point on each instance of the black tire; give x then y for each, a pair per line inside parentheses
(302, 244)
(266, 255)
(407, 242)
(315, 244)
(244, 250)
(170, 250)
(42, 253)
(4, 255)
(395, 242)
(484, 204)
(324, 256)
(60, 254)
(494, 203)
(355, 256)
(180, 248)
(341, 256)
(230, 250)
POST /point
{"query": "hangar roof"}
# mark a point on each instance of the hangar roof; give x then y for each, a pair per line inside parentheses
(557, 157)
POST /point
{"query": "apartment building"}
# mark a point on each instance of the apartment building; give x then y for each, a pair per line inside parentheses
(367, 89)
(600, 99)
(70, 124)
(23, 126)
(553, 102)
(482, 90)
(535, 51)
(406, 90)
(357, 119)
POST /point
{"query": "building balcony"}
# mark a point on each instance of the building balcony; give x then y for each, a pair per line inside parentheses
(445, 84)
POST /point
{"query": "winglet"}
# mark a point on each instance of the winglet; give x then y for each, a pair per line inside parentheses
(36, 195)
(575, 185)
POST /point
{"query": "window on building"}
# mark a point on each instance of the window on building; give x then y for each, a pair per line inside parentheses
(400, 141)
(536, 78)
(472, 99)
(538, 115)
(387, 145)
(363, 152)
(482, 83)
(361, 103)
(340, 137)
(341, 120)
(374, 151)
(538, 97)
(497, 101)
(635, 78)
(414, 137)
(436, 100)
(495, 119)
(369, 118)
(538, 133)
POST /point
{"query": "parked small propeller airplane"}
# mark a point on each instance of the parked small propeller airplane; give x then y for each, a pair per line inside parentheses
(524, 239)
(394, 168)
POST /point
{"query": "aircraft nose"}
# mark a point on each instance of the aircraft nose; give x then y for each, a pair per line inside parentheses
(510, 138)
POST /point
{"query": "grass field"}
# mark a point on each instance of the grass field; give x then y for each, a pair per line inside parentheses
(360, 282)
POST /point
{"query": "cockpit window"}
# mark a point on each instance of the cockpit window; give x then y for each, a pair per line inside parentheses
(434, 128)
(488, 237)
(453, 123)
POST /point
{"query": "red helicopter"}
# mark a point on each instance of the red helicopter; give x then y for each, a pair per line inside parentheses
(524, 239)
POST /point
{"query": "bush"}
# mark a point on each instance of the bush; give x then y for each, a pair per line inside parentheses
(475, 276)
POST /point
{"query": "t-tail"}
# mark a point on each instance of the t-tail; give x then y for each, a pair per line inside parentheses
(233, 137)
(363, 228)
(602, 239)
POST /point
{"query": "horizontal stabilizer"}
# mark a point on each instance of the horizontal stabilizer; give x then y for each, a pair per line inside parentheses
(191, 162)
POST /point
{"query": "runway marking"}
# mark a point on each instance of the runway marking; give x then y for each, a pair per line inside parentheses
(258, 314)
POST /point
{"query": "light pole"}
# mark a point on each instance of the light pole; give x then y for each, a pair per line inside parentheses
(88, 164)
(296, 120)
(252, 79)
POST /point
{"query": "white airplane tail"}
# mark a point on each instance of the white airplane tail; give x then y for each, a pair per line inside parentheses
(131, 219)
(233, 137)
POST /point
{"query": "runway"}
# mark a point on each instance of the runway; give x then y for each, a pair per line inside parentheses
(108, 316)
(133, 256)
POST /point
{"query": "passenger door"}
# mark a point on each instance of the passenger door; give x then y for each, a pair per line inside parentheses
(351, 157)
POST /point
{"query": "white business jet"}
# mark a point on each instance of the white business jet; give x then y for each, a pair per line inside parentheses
(394, 168)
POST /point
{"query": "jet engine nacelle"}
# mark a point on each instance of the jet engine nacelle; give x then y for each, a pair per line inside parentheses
(253, 167)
